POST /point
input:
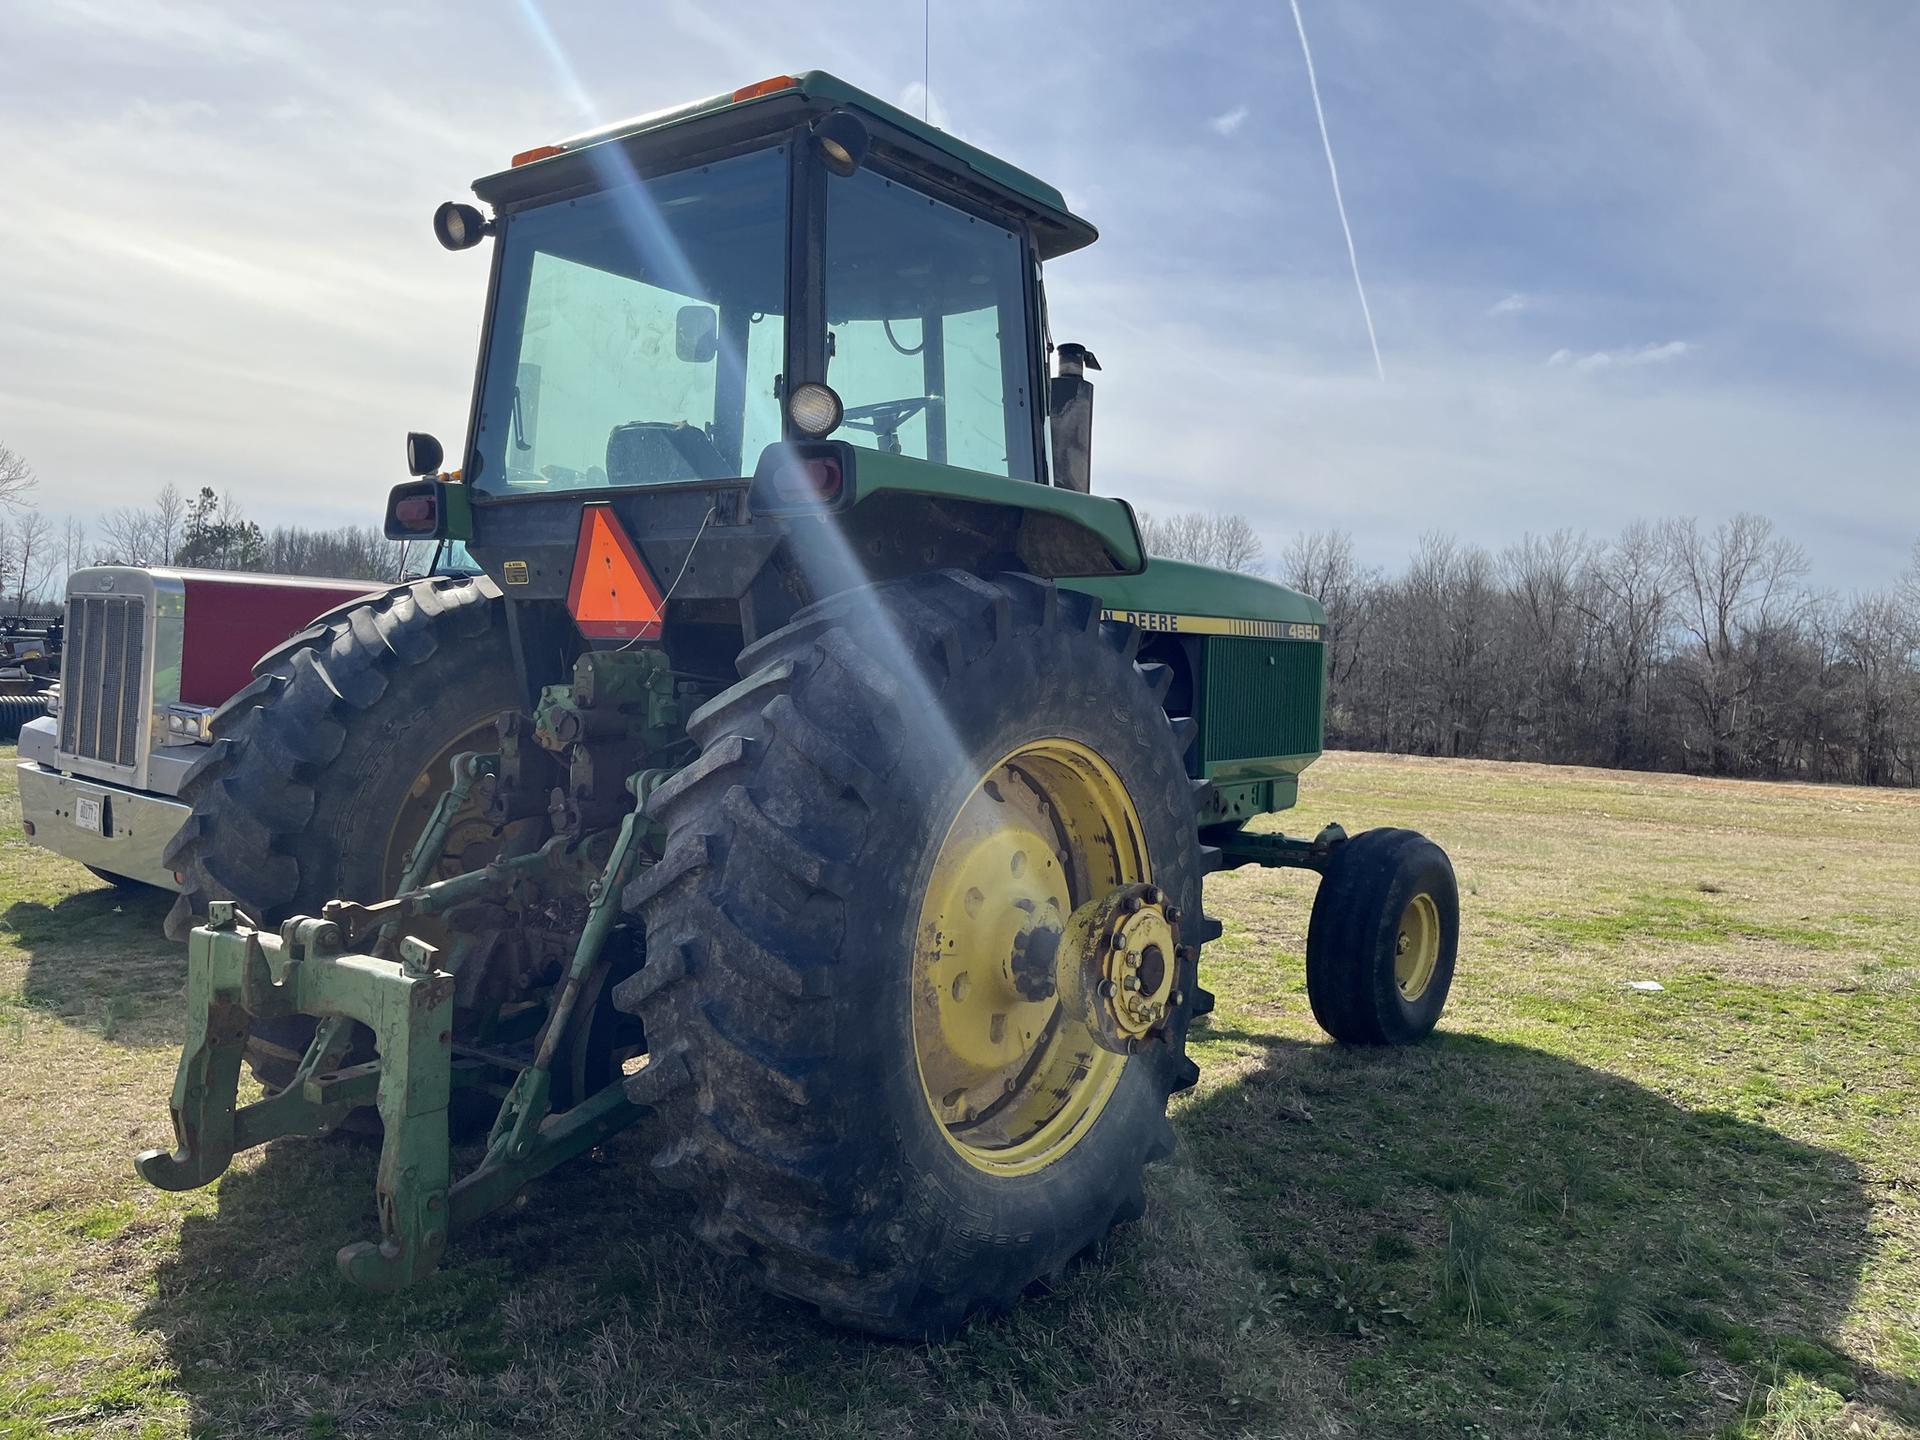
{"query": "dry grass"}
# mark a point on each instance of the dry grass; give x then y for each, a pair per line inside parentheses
(1584, 1210)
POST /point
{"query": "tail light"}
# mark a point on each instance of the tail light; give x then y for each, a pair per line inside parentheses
(806, 480)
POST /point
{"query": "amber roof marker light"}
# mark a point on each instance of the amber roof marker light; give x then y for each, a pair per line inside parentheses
(772, 85)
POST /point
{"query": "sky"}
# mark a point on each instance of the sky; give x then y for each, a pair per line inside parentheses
(1623, 259)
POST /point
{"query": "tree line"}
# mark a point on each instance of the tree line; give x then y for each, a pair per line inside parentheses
(206, 531)
(1671, 646)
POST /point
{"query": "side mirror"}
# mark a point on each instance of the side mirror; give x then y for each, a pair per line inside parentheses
(429, 510)
(696, 334)
(424, 454)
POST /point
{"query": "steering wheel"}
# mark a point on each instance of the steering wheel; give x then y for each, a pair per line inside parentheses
(885, 418)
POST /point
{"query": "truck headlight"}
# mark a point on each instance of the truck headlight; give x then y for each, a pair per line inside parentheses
(189, 725)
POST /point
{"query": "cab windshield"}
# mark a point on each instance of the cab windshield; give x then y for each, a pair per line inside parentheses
(639, 333)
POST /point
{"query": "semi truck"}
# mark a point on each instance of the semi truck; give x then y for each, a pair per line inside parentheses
(150, 653)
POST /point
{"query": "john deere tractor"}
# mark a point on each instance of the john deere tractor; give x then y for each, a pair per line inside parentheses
(819, 777)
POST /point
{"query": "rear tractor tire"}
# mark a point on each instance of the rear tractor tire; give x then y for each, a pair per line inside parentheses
(324, 771)
(1382, 939)
(865, 1061)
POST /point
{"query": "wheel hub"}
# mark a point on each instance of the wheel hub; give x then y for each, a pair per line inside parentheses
(1120, 960)
(1416, 947)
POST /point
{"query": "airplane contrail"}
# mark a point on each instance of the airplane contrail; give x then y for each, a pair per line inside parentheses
(1333, 171)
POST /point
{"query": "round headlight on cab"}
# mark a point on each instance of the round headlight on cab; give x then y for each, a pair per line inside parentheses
(814, 409)
(842, 140)
(457, 226)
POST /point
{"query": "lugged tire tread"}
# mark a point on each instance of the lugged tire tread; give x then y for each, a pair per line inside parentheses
(252, 796)
(746, 1001)
(1338, 988)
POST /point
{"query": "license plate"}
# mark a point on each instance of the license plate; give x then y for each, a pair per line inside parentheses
(86, 812)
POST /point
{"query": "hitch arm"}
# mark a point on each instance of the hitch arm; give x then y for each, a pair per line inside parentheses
(1286, 851)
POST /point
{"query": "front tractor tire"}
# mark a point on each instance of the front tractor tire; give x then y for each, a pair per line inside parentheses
(325, 769)
(862, 1065)
(1382, 939)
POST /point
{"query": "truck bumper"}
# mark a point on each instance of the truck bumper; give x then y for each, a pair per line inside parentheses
(134, 827)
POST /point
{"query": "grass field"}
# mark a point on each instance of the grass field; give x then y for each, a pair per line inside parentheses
(1583, 1209)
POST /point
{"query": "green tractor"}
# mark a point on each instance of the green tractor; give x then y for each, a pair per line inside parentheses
(816, 775)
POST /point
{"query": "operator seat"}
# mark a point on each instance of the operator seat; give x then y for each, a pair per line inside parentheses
(652, 452)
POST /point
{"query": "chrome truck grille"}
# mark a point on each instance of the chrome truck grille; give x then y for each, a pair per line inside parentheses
(104, 673)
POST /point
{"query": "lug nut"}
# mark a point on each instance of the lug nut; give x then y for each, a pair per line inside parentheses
(1173, 915)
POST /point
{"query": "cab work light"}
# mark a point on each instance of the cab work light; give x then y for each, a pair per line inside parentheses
(613, 596)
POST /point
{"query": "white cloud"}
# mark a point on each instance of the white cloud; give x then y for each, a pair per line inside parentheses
(1512, 304)
(1230, 122)
(1484, 445)
(1654, 353)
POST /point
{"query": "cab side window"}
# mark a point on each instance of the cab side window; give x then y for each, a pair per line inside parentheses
(927, 334)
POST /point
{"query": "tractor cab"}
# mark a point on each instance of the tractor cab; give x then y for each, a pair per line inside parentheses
(677, 294)
(729, 319)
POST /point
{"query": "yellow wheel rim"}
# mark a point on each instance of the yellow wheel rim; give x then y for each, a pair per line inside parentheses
(470, 840)
(1416, 947)
(1015, 1082)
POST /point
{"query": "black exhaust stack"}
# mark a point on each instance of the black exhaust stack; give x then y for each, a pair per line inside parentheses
(1070, 404)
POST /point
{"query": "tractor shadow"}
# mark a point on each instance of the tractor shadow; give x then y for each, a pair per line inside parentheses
(1470, 1233)
(1486, 1231)
(97, 958)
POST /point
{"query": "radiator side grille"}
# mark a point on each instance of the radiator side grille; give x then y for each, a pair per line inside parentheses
(101, 717)
(1262, 698)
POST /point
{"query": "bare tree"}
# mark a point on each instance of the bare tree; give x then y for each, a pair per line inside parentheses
(1224, 540)
(1670, 646)
(1629, 607)
(16, 478)
(73, 545)
(1544, 579)
(358, 552)
(128, 537)
(1733, 587)
(169, 514)
(32, 556)
(1321, 564)
(1878, 644)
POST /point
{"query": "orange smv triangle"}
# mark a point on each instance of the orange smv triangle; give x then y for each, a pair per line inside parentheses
(613, 595)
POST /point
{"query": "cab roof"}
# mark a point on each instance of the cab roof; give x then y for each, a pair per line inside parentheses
(781, 103)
